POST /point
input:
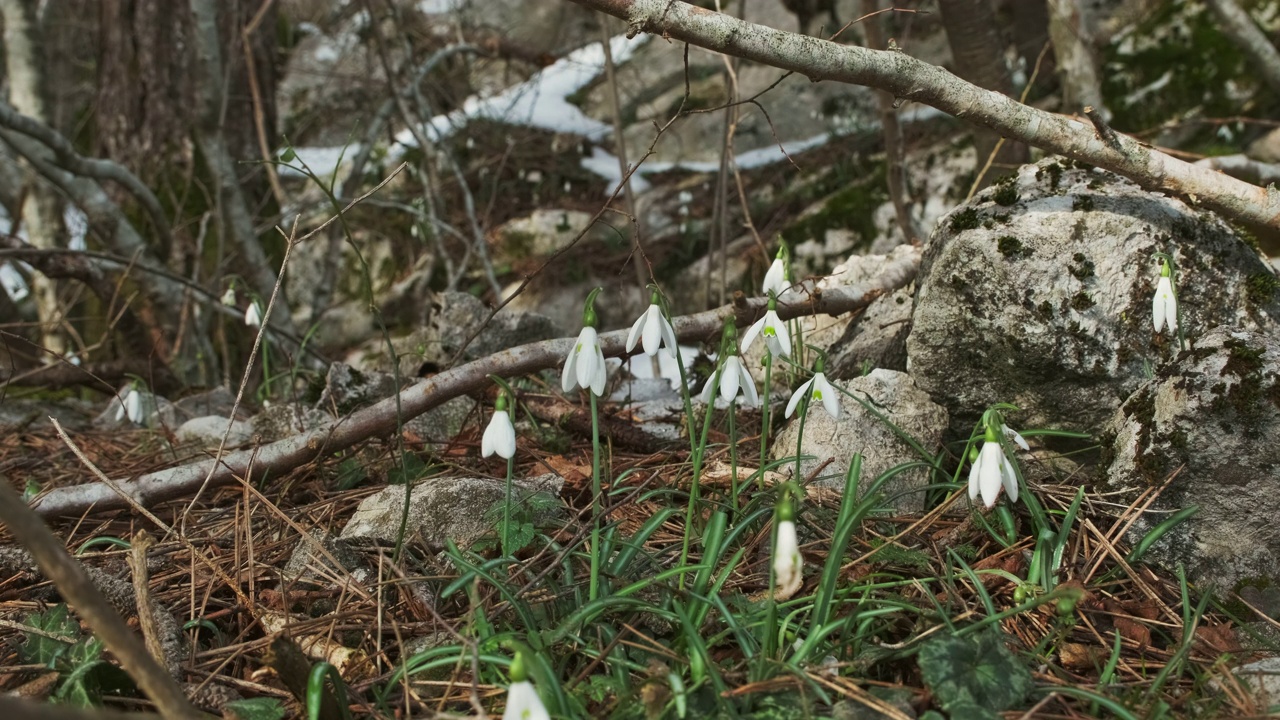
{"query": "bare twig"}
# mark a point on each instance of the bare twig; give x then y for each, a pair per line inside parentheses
(381, 418)
(912, 79)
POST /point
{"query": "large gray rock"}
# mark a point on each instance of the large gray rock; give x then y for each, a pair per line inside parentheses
(895, 396)
(1213, 417)
(1039, 291)
(443, 509)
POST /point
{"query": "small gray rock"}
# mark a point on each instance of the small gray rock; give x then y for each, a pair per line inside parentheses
(442, 509)
(207, 432)
(895, 396)
(347, 389)
(286, 420)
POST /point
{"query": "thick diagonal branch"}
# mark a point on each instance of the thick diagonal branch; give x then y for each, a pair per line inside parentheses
(380, 419)
(912, 79)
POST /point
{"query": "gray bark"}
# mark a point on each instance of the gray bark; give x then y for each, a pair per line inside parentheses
(237, 221)
(977, 52)
(894, 152)
(1073, 49)
(911, 79)
(41, 209)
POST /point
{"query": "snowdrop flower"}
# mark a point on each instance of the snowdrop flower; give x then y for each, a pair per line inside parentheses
(523, 702)
(816, 388)
(776, 280)
(1015, 437)
(733, 377)
(991, 471)
(788, 564)
(500, 435)
(775, 332)
(253, 315)
(585, 365)
(229, 297)
(1164, 306)
(131, 407)
(655, 330)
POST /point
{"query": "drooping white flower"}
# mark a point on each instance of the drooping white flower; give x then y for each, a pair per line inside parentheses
(733, 377)
(253, 315)
(652, 330)
(229, 297)
(775, 332)
(131, 407)
(775, 280)
(788, 564)
(523, 702)
(499, 435)
(991, 472)
(1015, 437)
(1164, 306)
(585, 365)
(817, 388)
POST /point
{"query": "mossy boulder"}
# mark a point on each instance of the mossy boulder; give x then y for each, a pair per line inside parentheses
(1205, 429)
(1044, 301)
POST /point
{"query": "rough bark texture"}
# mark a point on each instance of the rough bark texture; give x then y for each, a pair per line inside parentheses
(1031, 35)
(1072, 47)
(894, 155)
(230, 199)
(912, 79)
(1237, 25)
(977, 52)
(41, 209)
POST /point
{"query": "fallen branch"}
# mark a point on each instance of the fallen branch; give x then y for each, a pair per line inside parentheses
(912, 79)
(381, 419)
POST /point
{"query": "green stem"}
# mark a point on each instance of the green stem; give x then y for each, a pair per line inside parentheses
(506, 510)
(687, 397)
(594, 591)
(764, 419)
(698, 451)
(733, 454)
(804, 412)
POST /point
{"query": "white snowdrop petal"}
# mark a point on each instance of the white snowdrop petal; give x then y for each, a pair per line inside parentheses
(796, 397)
(730, 379)
(636, 329)
(652, 331)
(749, 387)
(601, 373)
(750, 335)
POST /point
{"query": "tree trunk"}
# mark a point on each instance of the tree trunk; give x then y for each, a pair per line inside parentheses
(1077, 68)
(41, 209)
(977, 53)
(233, 206)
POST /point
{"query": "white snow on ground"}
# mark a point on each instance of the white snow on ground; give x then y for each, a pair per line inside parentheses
(541, 100)
(438, 7)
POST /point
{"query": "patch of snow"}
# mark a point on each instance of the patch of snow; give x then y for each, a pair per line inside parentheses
(77, 224)
(13, 283)
(439, 7)
(323, 161)
(541, 101)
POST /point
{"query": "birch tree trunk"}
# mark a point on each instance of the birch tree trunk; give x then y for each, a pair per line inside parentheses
(41, 209)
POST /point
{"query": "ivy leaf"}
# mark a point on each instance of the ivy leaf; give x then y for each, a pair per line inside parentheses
(974, 676)
(43, 650)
